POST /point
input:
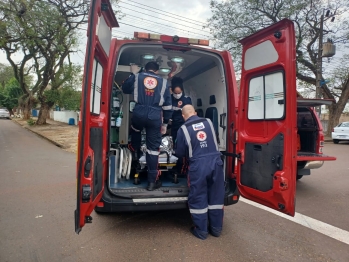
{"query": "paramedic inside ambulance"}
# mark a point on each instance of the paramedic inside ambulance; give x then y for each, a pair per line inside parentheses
(153, 104)
(196, 139)
(179, 100)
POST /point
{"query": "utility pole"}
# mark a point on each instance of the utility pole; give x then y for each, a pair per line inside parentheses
(319, 64)
(328, 53)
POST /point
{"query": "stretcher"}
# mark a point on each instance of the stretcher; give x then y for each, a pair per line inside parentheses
(123, 161)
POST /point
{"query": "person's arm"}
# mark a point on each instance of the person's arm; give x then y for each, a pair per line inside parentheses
(181, 145)
(167, 106)
(128, 84)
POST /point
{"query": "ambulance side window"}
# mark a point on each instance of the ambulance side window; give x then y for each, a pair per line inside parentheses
(96, 88)
(266, 99)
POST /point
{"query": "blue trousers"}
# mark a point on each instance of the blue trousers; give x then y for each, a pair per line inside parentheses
(181, 162)
(150, 119)
(206, 194)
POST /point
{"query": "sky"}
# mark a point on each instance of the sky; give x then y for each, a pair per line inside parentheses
(181, 17)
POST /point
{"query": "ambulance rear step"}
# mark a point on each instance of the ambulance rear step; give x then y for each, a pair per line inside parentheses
(307, 156)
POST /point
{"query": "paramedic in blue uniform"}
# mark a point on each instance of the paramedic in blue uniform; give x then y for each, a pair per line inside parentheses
(196, 140)
(179, 100)
(152, 111)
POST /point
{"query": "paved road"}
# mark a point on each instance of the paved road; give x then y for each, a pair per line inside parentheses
(37, 200)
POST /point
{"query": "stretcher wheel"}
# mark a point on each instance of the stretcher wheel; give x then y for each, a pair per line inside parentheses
(136, 181)
(175, 179)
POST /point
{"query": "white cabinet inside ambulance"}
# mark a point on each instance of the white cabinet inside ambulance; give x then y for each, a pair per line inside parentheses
(258, 138)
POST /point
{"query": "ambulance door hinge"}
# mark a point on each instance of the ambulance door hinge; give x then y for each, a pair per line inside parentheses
(88, 219)
(238, 156)
(87, 167)
(86, 193)
(281, 206)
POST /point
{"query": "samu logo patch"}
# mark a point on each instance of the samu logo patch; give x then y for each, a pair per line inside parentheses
(150, 82)
(201, 136)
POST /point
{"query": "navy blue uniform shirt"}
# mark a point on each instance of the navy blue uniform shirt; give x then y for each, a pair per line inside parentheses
(150, 89)
(198, 140)
(177, 105)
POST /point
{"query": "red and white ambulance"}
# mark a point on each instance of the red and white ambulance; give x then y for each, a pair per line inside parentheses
(268, 137)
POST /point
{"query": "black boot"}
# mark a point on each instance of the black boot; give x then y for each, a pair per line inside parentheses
(152, 186)
(198, 234)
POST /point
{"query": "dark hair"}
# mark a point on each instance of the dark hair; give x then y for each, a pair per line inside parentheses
(177, 82)
(152, 65)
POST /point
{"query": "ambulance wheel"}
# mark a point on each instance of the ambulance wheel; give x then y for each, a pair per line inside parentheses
(299, 177)
(336, 141)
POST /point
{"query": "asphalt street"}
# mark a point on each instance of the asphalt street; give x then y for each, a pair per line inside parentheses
(37, 200)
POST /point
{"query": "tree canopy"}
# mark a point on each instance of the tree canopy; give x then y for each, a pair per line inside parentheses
(233, 20)
(43, 34)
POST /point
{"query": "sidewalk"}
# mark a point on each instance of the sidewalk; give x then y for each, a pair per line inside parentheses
(58, 133)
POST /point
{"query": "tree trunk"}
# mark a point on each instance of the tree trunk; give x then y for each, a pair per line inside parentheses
(336, 110)
(43, 113)
(26, 111)
(26, 104)
(333, 118)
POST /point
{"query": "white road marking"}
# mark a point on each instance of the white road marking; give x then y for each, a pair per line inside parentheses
(316, 225)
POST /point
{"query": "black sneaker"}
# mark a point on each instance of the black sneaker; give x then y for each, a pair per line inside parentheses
(214, 232)
(152, 186)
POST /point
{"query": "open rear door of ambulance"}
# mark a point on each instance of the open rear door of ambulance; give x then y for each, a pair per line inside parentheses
(267, 118)
(90, 173)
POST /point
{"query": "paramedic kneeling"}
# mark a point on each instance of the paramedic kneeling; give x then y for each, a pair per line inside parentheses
(153, 102)
(196, 140)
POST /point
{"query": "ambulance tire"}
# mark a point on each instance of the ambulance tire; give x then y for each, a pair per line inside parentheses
(299, 177)
(336, 141)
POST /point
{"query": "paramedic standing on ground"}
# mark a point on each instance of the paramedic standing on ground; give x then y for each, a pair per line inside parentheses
(196, 140)
(153, 103)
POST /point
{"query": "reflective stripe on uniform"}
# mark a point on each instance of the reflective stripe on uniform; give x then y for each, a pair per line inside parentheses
(154, 153)
(166, 107)
(163, 89)
(198, 211)
(187, 137)
(215, 207)
(176, 108)
(135, 91)
(213, 132)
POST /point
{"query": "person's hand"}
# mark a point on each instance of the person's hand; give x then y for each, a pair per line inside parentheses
(134, 69)
(163, 129)
(170, 121)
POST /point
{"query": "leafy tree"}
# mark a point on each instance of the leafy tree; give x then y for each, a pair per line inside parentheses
(67, 96)
(70, 99)
(43, 34)
(6, 73)
(10, 94)
(234, 20)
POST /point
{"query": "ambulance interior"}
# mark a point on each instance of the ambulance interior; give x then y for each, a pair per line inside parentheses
(204, 81)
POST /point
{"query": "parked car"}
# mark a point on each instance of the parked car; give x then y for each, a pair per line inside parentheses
(4, 113)
(340, 132)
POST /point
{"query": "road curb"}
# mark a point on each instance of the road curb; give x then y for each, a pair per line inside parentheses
(40, 135)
